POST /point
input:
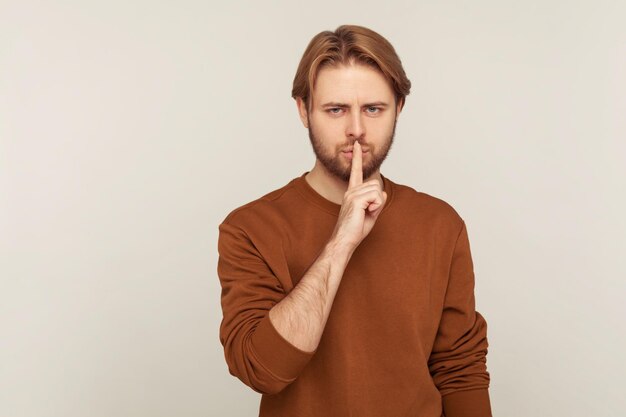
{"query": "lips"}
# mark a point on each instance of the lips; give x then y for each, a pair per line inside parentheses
(349, 154)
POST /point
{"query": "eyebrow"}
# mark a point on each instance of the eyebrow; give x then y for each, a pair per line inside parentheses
(343, 105)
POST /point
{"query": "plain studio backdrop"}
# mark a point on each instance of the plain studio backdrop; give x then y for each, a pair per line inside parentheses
(129, 129)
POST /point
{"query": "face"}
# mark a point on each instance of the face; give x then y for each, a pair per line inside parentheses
(349, 104)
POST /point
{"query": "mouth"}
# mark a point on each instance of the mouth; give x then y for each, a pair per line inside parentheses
(350, 150)
(348, 154)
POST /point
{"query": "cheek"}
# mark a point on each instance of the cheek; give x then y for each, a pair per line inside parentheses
(379, 128)
(329, 130)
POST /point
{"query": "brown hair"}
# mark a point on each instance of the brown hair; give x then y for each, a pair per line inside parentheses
(349, 44)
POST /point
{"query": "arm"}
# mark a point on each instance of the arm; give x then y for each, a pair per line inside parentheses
(254, 351)
(458, 359)
(301, 316)
(268, 354)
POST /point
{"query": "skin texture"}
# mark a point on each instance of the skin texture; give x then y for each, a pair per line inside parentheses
(301, 316)
(334, 129)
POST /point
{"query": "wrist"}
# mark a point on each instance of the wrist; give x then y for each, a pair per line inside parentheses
(338, 248)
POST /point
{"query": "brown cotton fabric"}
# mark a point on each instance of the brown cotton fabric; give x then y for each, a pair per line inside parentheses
(402, 338)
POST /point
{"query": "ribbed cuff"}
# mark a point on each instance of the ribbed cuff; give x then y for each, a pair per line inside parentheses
(471, 403)
(284, 360)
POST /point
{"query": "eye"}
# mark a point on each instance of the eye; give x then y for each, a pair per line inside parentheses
(375, 110)
(332, 110)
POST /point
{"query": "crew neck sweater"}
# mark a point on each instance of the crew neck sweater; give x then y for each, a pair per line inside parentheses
(402, 338)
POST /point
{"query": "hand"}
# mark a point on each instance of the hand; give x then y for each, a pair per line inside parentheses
(362, 203)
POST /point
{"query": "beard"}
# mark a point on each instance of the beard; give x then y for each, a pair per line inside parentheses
(339, 166)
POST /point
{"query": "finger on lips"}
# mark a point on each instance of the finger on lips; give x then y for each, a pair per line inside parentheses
(356, 172)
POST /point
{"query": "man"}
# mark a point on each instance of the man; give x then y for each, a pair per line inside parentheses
(343, 292)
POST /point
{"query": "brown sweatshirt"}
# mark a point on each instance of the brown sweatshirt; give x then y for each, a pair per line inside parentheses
(402, 338)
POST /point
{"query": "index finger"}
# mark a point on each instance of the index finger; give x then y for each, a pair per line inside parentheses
(356, 171)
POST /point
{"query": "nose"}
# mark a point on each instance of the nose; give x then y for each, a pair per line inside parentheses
(355, 127)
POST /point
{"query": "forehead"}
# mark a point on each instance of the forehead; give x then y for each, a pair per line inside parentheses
(347, 84)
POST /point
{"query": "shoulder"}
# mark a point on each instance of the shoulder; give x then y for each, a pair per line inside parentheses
(432, 208)
(262, 210)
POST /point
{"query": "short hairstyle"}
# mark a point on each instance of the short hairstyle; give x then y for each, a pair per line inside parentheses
(349, 44)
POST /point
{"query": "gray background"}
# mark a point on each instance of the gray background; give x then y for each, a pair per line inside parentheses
(130, 129)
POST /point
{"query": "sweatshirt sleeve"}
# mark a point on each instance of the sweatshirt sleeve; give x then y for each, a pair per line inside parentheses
(458, 359)
(254, 350)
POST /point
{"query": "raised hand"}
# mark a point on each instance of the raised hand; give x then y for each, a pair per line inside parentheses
(362, 203)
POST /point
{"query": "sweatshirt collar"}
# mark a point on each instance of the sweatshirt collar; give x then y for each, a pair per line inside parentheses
(321, 202)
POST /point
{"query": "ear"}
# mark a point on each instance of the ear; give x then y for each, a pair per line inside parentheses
(301, 105)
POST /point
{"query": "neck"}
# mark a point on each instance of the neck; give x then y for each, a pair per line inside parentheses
(329, 186)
